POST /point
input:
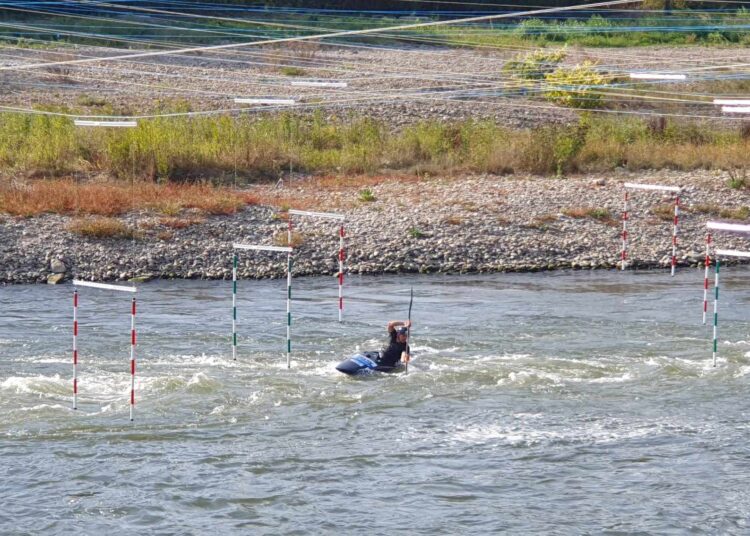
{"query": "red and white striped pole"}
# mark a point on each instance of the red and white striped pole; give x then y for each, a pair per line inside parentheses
(75, 349)
(706, 265)
(342, 256)
(674, 232)
(624, 254)
(105, 286)
(132, 359)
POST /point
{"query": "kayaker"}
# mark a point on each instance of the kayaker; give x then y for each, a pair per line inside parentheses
(398, 349)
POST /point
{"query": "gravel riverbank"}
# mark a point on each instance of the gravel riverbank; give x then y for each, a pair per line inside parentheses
(397, 85)
(442, 224)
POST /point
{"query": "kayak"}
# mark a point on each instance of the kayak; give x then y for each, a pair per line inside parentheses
(365, 363)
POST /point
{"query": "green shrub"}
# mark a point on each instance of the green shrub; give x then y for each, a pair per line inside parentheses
(292, 71)
(738, 179)
(531, 27)
(576, 87)
(535, 65)
(568, 145)
(366, 196)
(416, 233)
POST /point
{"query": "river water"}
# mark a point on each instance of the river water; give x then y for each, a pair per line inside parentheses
(555, 403)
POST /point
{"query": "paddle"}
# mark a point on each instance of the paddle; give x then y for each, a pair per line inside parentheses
(408, 331)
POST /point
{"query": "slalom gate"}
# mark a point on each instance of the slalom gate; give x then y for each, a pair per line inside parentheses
(341, 252)
(276, 249)
(718, 253)
(104, 286)
(626, 216)
(118, 124)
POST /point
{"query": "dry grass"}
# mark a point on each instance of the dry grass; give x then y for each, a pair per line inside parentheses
(712, 209)
(113, 199)
(180, 223)
(545, 218)
(468, 206)
(542, 222)
(664, 211)
(738, 213)
(282, 239)
(101, 227)
(453, 220)
(729, 213)
(599, 214)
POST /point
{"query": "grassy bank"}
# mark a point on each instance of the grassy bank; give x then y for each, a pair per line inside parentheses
(226, 150)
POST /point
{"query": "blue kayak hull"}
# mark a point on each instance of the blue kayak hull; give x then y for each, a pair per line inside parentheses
(365, 363)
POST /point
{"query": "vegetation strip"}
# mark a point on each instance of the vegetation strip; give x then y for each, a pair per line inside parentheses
(222, 148)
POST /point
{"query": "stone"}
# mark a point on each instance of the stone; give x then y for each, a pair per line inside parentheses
(56, 266)
(54, 279)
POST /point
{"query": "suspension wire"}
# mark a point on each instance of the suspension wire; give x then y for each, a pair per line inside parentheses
(602, 89)
(609, 93)
(318, 36)
(173, 88)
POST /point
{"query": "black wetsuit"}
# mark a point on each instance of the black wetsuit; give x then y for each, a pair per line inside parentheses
(392, 355)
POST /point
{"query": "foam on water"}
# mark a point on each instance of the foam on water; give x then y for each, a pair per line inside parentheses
(525, 434)
(36, 385)
(172, 360)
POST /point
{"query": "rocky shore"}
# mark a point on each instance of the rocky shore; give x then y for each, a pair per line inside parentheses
(429, 225)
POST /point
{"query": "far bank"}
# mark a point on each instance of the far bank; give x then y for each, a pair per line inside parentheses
(394, 224)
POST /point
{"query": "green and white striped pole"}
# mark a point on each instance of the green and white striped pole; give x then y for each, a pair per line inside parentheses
(730, 227)
(723, 253)
(234, 308)
(289, 295)
(289, 311)
(716, 308)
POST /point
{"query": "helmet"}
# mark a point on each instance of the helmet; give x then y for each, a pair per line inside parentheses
(402, 330)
